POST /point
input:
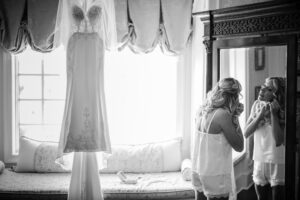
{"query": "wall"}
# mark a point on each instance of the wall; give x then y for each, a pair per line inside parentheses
(256, 78)
(275, 65)
(276, 60)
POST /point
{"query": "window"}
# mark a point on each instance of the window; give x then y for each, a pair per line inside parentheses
(40, 84)
(141, 95)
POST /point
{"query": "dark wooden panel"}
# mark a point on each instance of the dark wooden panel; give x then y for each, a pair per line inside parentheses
(247, 194)
(261, 24)
(257, 19)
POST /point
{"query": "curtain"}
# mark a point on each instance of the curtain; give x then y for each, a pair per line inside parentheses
(41, 16)
(13, 29)
(27, 21)
(143, 24)
(176, 25)
(145, 21)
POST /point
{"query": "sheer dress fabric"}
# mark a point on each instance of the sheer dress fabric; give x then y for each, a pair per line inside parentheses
(85, 127)
(212, 168)
(85, 28)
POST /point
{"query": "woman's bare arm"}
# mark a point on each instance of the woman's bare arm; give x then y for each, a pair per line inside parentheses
(232, 133)
(253, 120)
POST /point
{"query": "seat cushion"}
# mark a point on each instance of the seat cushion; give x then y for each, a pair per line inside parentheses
(168, 185)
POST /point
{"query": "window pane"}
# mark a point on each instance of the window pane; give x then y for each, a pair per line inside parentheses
(30, 87)
(28, 65)
(141, 94)
(55, 62)
(53, 112)
(55, 87)
(30, 112)
(40, 132)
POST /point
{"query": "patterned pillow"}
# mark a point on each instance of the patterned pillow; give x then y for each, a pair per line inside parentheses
(135, 158)
(45, 156)
(37, 156)
(151, 157)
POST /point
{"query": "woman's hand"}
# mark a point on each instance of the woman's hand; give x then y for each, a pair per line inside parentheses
(235, 121)
(239, 109)
(261, 112)
(274, 107)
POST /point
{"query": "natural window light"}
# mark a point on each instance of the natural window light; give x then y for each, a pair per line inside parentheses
(141, 95)
(40, 84)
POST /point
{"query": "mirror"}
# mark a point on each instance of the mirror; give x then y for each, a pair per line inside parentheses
(251, 61)
(251, 66)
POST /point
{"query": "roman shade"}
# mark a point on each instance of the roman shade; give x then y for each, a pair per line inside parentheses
(141, 24)
(27, 21)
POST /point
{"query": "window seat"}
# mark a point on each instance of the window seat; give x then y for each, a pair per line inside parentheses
(166, 185)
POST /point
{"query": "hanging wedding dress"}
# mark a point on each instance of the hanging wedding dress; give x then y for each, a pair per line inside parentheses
(86, 28)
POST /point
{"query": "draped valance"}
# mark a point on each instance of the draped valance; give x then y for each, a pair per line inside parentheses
(141, 24)
(27, 21)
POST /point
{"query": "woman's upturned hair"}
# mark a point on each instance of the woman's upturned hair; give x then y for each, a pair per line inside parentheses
(279, 85)
(224, 95)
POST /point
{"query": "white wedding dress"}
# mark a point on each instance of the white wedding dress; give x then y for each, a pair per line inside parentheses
(86, 28)
(85, 127)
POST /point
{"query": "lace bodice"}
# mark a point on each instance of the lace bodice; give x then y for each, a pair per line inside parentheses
(86, 21)
(86, 16)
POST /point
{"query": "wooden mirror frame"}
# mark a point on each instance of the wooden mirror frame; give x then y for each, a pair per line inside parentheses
(262, 24)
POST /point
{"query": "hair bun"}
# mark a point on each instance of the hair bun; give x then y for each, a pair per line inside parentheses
(230, 86)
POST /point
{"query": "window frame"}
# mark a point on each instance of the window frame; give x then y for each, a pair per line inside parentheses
(17, 100)
(8, 109)
(10, 128)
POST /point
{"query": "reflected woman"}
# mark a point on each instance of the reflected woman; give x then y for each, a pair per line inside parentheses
(266, 122)
(217, 132)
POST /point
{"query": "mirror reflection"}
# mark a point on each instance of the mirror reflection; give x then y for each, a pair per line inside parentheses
(261, 72)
